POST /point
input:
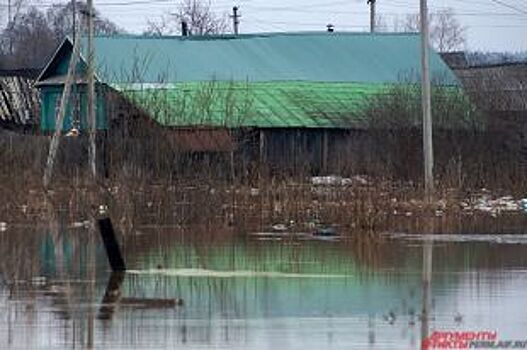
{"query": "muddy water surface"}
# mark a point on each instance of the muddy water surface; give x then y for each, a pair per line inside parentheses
(197, 290)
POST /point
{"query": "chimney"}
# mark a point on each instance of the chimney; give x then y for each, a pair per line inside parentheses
(331, 28)
(184, 28)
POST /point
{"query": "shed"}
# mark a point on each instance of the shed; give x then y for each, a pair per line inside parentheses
(19, 101)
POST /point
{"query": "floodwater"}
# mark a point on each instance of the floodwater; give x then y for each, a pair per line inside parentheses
(246, 292)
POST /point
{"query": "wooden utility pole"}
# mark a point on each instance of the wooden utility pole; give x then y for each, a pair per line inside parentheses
(74, 18)
(59, 120)
(9, 19)
(426, 105)
(236, 20)
(372, 15)
(91, 93)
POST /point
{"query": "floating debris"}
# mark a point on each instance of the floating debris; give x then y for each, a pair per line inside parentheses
(144, 303)
(234, 274)
(279, 227)
(390, 318)
(39, 281)
(458, 318)
(494, 206)
(499, 239)
(329, 231)
(278, 235)
(3, 226)
(333, 180)
(81, 224)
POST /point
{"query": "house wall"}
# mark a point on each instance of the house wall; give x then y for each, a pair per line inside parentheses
(76, 110)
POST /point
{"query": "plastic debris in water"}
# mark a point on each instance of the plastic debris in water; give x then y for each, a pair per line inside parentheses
(325, 231)
(279, 227)
(81, 224)
(333, 180)
(3, 226)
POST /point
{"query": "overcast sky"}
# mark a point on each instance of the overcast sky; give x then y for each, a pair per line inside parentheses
(490, 26)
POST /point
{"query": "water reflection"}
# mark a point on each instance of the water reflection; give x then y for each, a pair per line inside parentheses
(240, 292)
(426, 311)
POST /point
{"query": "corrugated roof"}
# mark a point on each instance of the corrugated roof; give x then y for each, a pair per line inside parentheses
(305, 80)
(316, 57)
(19, 102)
(263, 105)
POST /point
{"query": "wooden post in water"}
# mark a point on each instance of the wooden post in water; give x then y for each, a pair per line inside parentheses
(112, 295)
(113, 252)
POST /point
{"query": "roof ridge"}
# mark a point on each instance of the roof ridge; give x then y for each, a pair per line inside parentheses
(251, 35)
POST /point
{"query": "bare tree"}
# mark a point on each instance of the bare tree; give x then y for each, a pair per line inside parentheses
(380, 23)
(60, 19)
(32, 35)
(160, 27)
(446, 33)
(28, 40)
(198, 15)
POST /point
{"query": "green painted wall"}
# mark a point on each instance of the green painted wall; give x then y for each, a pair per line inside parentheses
(51, 96)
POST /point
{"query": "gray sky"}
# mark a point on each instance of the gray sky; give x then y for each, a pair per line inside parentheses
(490, 26)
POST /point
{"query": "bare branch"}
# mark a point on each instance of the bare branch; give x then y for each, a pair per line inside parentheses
(446, 33)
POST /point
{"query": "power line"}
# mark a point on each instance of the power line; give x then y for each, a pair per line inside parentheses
(512, 7)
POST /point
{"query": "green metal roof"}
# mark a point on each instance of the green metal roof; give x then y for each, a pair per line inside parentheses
(264, 105)
(320, 57)
(304, 80)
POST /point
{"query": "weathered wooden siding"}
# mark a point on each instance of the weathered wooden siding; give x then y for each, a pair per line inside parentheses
(19, 102)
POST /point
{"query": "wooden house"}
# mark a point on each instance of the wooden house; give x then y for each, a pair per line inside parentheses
(274, 95)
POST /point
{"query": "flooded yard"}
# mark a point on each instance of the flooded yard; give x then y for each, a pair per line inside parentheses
(200, 288)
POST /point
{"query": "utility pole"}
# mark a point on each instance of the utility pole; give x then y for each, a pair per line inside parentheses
(91, 92)
(426, 105)
(236, 20)
(9, 26)
(372, 15)
(74, 18)
(59, 121)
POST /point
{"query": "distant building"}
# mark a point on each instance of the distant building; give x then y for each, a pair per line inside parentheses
(500, 91)
(497, 88)
(455, 60)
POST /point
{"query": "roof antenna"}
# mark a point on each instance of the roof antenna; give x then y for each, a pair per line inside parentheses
(372, 15)
(236, 20)
(184, 28)
(331, 28)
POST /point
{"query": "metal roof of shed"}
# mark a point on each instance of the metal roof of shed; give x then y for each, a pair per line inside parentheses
(311, 80)
(260, 104)
(316, 57)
